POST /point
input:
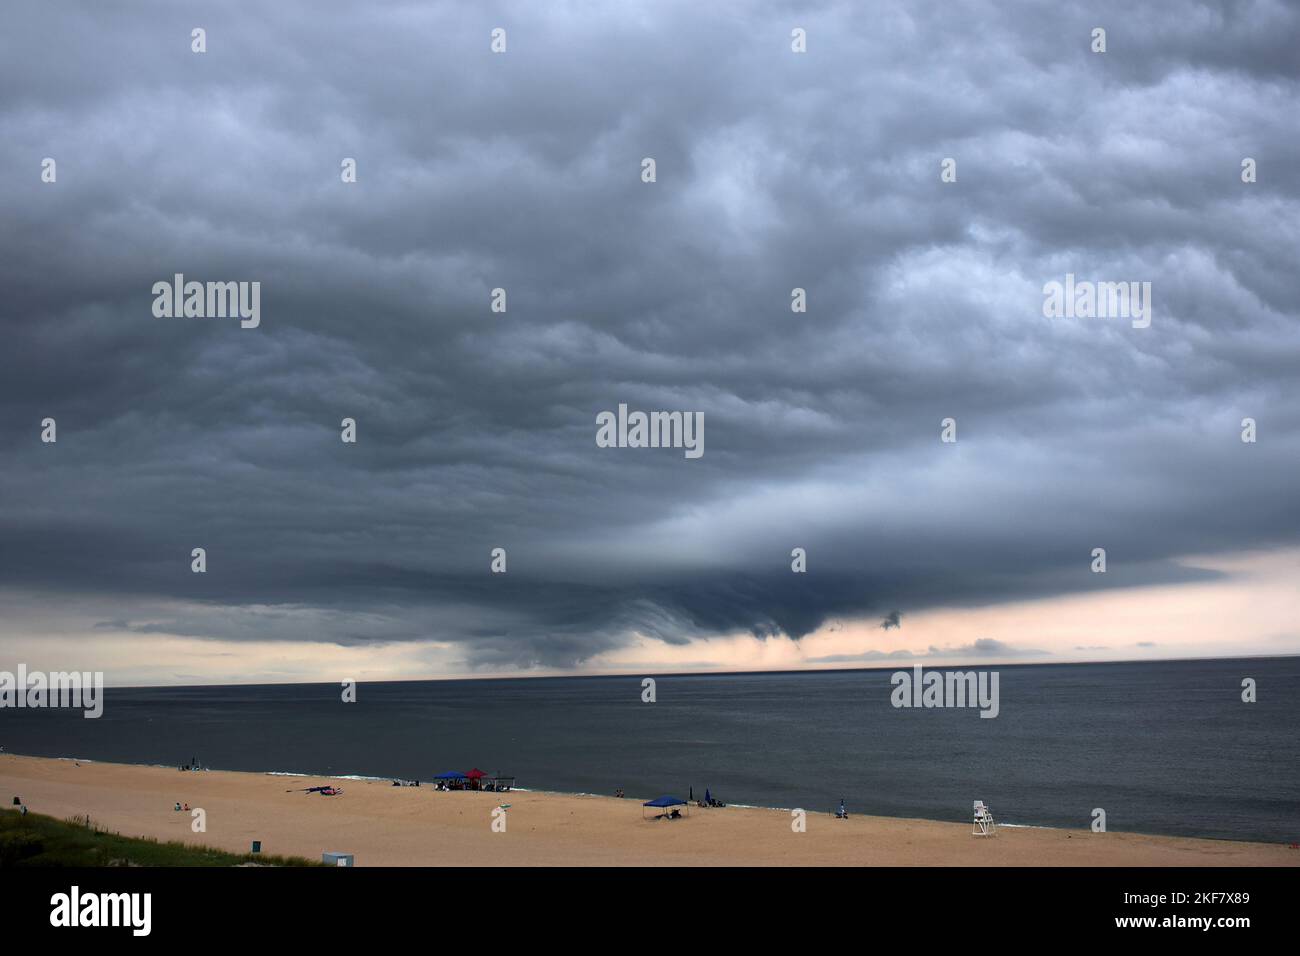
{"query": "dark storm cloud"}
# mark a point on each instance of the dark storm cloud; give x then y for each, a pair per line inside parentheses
(476, 430)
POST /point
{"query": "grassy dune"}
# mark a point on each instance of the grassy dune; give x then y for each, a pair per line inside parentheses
(36, 840)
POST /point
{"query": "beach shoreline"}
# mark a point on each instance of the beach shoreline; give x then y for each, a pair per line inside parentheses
(384, 825)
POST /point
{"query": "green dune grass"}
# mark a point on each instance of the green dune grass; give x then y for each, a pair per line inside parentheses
(37, 840)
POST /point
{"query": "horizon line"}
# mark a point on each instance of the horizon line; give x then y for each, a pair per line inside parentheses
(881, 666)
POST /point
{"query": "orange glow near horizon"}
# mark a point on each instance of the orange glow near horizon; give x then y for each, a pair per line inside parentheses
(1252, 611)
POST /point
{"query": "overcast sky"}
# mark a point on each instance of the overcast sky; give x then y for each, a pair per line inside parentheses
(476, 430)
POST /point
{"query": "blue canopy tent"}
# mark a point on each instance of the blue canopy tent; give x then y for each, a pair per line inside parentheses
(448, 777)
(663, 803)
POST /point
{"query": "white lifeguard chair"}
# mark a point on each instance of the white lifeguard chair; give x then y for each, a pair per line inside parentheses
(984, 823)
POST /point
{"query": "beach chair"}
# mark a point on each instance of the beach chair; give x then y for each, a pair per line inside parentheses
(984, 823)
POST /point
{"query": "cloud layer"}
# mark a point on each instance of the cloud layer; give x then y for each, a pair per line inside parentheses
(522, 171)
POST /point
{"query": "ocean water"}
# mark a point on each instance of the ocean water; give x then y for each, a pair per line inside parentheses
(1165, 747)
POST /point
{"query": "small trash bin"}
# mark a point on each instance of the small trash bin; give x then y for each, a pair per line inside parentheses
(337, 859)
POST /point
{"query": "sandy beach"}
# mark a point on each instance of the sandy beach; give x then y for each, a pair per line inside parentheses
(385, 825)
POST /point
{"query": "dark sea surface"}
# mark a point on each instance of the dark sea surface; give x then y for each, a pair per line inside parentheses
(1164, 747)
